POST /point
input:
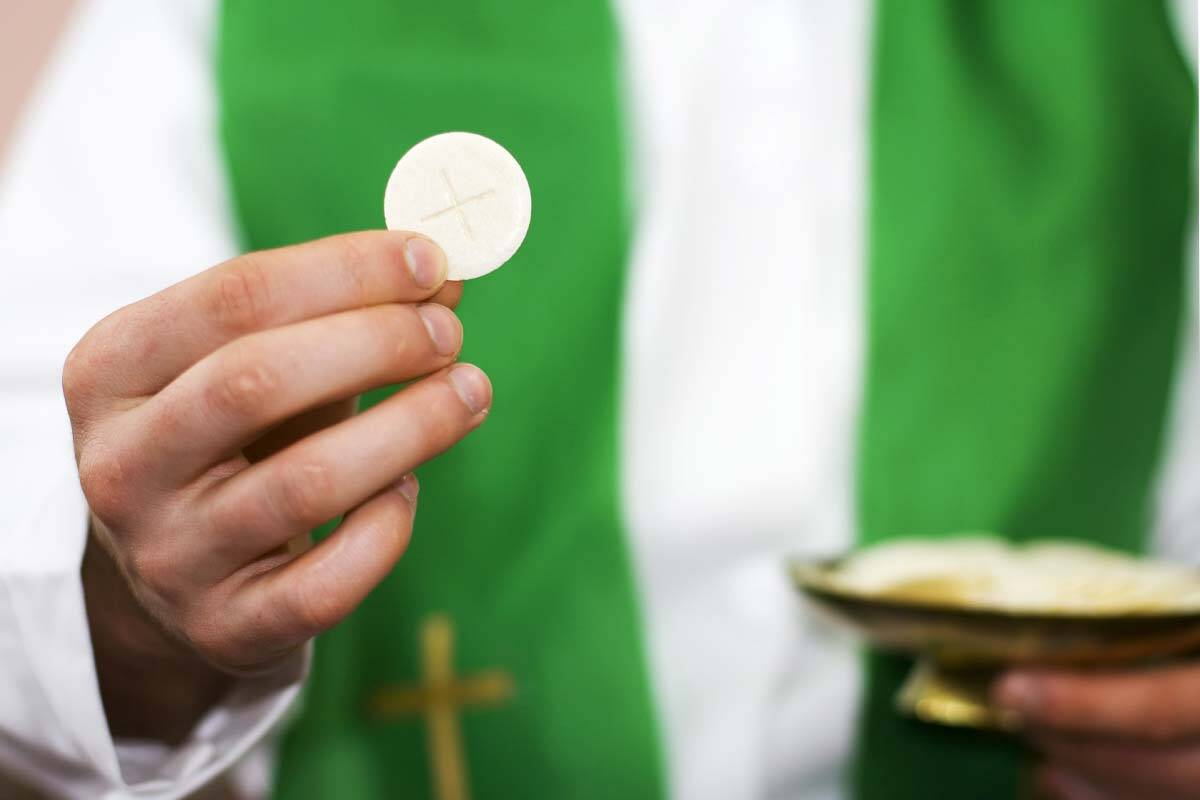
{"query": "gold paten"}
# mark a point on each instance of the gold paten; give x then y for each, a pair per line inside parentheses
(961, 649)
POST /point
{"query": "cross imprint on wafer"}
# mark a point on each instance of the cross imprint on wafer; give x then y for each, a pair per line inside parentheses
(456, 205)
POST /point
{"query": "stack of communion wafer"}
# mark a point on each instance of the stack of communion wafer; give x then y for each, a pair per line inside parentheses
(1048, 577)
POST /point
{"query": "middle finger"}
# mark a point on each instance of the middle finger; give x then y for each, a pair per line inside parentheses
(338, 468)
(230, 397)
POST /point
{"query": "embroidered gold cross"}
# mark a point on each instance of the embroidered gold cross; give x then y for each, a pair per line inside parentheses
(456, 205)
(439, 696)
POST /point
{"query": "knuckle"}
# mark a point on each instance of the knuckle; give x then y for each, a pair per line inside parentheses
(317, 608)
(155, 568)
(401, 335)
(88, 361)
(207, 631)
(242, 299)
(106, 478)
(355, 266)
(173, 411)
(76, 375)
(300, 492)
(225, 515)
(241, 390)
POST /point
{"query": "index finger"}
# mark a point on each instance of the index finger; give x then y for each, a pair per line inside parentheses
(1160, 704)
(153, 341)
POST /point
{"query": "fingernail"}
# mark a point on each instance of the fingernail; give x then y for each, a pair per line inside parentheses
(409, 487)
(472, 386)
(1019, 692)
(425, 261)
(443, 328)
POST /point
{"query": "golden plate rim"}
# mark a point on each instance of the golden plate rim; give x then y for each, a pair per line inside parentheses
(810, 576)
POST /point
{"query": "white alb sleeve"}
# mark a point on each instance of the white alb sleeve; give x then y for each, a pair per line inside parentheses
(111, 189)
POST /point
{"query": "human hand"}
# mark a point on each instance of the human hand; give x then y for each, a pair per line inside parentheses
(212, 425)
(1130, 735)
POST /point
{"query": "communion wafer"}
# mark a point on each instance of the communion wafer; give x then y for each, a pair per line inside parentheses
(465, 192)
(1042, 577)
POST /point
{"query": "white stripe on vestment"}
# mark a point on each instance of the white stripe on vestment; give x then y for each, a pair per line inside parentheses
(1176, 532)
(742, 376)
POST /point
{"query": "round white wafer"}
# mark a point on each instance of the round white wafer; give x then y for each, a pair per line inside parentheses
(464, 192)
